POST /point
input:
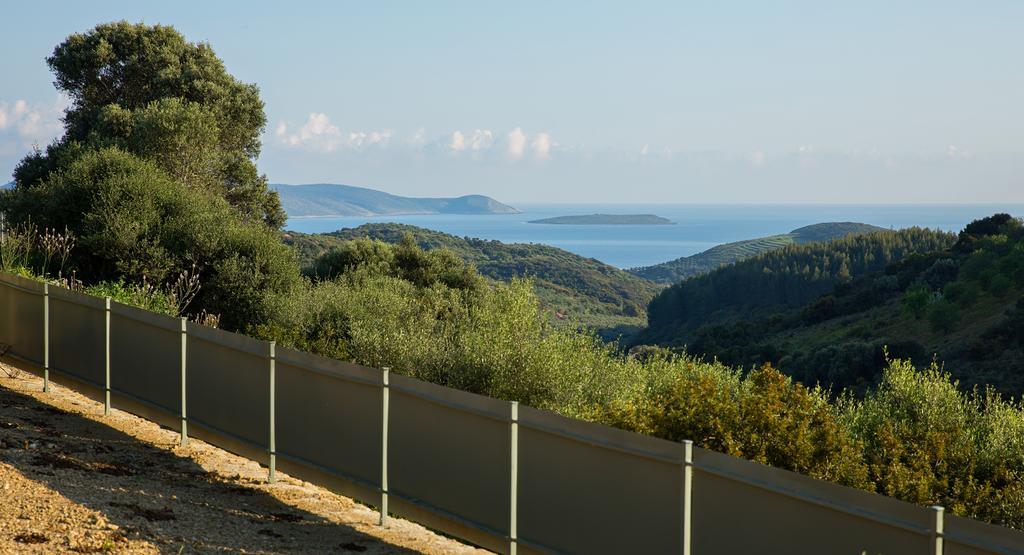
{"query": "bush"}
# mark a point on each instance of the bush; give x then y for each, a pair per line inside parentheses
(928, 443)
(134, 224)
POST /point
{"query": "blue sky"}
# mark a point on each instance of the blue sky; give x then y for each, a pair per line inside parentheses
(590, 101)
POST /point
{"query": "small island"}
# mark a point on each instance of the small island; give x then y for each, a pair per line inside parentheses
(606, 219)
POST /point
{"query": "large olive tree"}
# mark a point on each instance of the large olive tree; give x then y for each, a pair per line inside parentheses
(150, 92)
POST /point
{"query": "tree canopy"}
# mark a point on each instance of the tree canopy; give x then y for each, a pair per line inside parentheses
(148, 91)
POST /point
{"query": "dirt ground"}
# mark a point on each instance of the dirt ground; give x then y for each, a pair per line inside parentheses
(75, 481)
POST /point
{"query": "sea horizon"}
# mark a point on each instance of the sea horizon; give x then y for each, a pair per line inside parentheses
(700, 226)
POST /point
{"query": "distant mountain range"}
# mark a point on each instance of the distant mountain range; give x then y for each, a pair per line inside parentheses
(7, 185)
(686, 267)
(606, 219)
(325, 199)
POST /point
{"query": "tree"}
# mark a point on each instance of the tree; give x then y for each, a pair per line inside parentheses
(148, 91)
(916, 300)
(943, 316)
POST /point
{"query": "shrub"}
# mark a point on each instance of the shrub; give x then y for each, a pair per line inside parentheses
(134, 224)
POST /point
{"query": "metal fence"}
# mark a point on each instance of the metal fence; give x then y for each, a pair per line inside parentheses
(506, 477)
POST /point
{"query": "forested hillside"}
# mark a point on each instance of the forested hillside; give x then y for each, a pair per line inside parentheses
(784, 278)
(962, 305)
(578, 289)
(674, 271)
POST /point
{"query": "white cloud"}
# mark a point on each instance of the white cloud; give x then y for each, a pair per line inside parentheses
(418, 138)
(478, 140)
(542, 146)
(458, 142)
(321, 135)
(32, 123)
(318, 133)
(516, 144)
(481, 139)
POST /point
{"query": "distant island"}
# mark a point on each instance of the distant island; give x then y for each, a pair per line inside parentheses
(326, 199)
(606, 219)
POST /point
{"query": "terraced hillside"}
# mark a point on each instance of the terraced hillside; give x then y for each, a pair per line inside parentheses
(686, 267)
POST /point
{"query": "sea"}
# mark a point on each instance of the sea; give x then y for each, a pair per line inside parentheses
(697, 227)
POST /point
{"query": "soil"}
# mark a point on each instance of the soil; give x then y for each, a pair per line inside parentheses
(75, 481)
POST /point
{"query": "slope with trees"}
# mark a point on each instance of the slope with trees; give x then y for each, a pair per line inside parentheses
(677, 270)
(963, 305)
(785, 278)
(578, 289)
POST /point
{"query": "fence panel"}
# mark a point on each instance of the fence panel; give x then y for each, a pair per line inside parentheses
(228, 389)
(329, 417)
(21, 321)
(732, 514)
(78, 335)
(586, 488)
(145, 363)
(450, 450)
(964, 536)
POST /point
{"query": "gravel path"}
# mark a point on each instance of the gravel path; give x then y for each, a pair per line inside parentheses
(75, 481)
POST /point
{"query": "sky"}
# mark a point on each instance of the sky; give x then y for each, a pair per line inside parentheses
(683, 102)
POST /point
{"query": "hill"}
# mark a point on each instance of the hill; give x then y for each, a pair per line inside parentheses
(324, 199)
(789, 277)
(963, 304)
(606, 219)
(686, 267)
(5, 186)
(575, 288)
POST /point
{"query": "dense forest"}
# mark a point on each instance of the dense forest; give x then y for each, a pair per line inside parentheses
(574, 289)
(677, 270)
(152, 197)
(963, 305)
(784, 278)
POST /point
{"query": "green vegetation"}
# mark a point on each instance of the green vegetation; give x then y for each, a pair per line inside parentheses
(789, 277)
(323, 199)
(962, 304)
(677, 270)
(120, 221)
(606, 219)
(574, 289)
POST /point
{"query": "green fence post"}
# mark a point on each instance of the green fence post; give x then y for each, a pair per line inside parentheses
(273, 441)
(514, 480)
(184, 370)
(46, 338)
(938, 530)
(384, 447)
(687, 494)
(106, 357)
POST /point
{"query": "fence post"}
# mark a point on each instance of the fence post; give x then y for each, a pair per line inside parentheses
(46, 338)
(384, 447)
(106, 358)
(938, 530)
(273, 441)
(687, 494)
(513, 533)
(184, 374)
